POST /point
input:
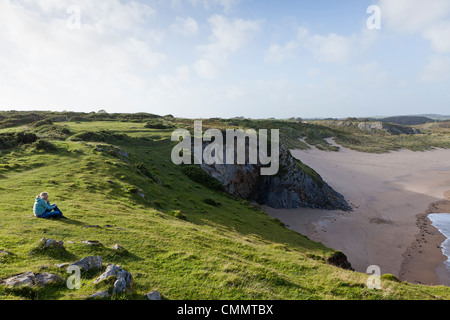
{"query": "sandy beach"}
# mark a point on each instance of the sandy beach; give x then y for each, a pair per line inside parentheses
(390, 195)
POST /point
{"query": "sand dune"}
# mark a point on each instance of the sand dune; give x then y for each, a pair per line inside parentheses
(387, 192)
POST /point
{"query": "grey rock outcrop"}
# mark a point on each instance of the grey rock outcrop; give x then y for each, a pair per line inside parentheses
(123, 280)
(100, 295)
(295, 185)
(50, 243)
(90, 263)
(375, 127)
(22, 280)
(155, 295)
(29, 279)
(45, 279)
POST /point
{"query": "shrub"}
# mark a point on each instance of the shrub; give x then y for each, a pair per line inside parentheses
(196, 174)
(41, 123)
(158, 124)
(100, 136)
(179, 215)
(45, 146)
(212, 202)
(11, 140)
(389, 277)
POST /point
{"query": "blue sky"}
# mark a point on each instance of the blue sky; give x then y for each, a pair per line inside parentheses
(226, 58)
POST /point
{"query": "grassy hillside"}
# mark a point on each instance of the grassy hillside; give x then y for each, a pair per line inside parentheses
(125, 190)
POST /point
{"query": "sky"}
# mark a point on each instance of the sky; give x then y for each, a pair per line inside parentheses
(226, 58)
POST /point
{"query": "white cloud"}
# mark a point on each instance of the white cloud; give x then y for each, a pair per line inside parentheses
(185, 26)
(436, 70)
(279, 53)
(205, 69)
(413, 15)
(227, 5)
(430, 19)
(104, 60)
(324, 48)
(330, 48)
(228, 36)
(439, 37)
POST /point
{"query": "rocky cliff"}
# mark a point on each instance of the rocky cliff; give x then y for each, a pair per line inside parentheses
(375, 127)
(296, 185)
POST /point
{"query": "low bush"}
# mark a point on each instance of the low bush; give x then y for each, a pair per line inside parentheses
(196, 174)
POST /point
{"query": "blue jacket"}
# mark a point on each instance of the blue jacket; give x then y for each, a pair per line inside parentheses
(40, 206)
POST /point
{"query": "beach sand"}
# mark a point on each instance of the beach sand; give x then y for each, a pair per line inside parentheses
(388, 193)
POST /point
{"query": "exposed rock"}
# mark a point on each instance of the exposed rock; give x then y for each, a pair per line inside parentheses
(101, 295)
(124, 282)
(111, 271)
(295, 185)
(118, 247)
(3, 253)
(29, 279)
(141, 193)
(62, 265)
(89, 263)
(339, 259)
(375, 127)
(46, 279)
(22, 280)
(92, 242)
(155, 295)
(50, 243)
(123, 279)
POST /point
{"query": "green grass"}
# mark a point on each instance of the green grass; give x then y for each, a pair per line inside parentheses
(176, 242)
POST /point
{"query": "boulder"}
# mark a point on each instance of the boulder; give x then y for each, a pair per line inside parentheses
(111, 271)
(22, 280)
(92, 242)
(123, 279)
(90, 263)
(101, 295)
(155, 295)
(47, 279)
(29, 279)
(50, 243)
(118, 247)
(124, 282)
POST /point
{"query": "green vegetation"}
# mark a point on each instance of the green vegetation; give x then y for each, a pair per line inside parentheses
(195, 173)
(115, 182)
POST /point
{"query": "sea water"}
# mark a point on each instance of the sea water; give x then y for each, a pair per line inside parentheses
(441, 221)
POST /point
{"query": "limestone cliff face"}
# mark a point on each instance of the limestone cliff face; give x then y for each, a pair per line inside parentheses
(374, 127)
(295, 185)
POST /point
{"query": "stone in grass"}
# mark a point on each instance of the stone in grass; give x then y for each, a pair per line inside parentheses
(90, 263)
(47, 279)
(92, 243)
(29, 279)
(124, 282)
(119, 248)
(50, 243)
(62, 265)
(100, 295)
(20, 281)
(110, 272)
(123, 279)
(155, 295)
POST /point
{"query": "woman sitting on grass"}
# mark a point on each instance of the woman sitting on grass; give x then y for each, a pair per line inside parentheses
(43, 209)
